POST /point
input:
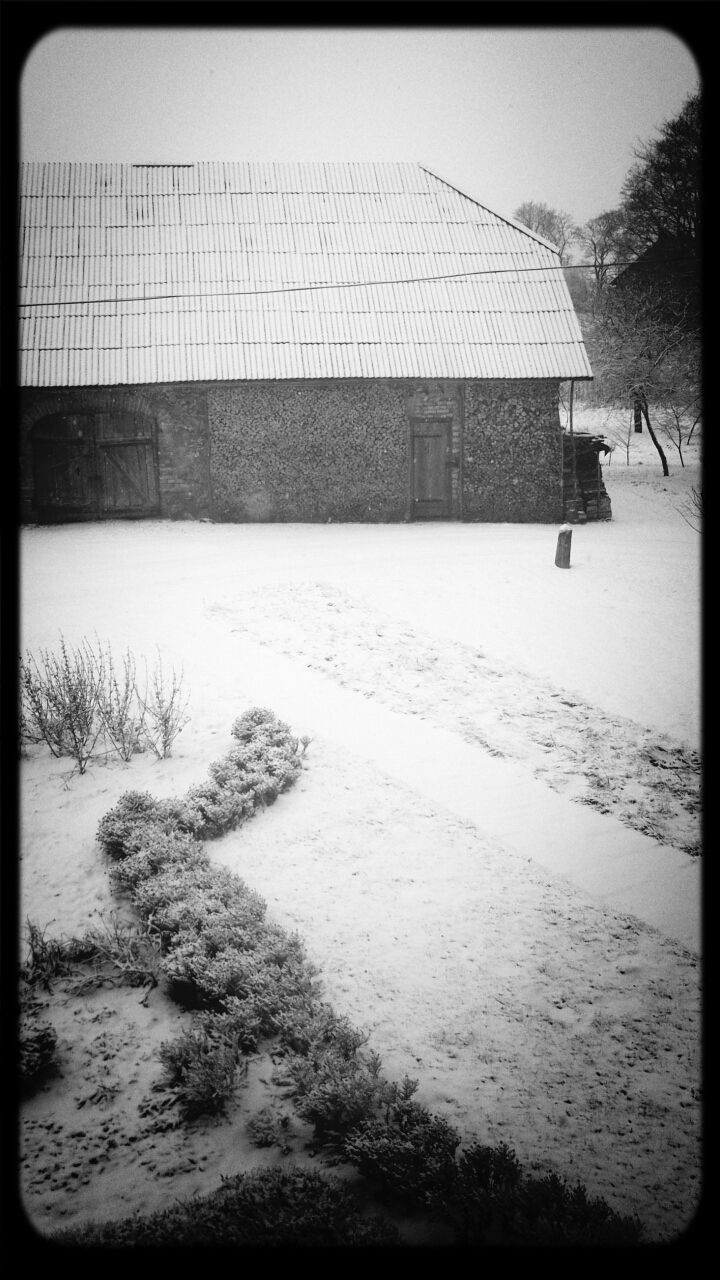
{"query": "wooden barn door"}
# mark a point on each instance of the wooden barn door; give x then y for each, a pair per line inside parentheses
(91, 466)
(430, 470)
(127, 468)
(64, 463)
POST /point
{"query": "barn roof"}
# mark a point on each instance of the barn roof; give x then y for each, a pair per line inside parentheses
(222, 271)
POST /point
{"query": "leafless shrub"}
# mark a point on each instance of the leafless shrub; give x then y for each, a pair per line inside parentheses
(74, 699)
(60, 694)
(164, 706)
(122, 714)
(692, 510)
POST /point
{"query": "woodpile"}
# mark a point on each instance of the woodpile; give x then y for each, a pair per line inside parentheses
(585, 497)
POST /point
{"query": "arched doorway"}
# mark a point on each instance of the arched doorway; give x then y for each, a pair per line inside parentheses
(94, 465)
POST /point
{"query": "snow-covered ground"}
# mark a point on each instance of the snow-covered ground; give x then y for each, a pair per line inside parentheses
(492, 852)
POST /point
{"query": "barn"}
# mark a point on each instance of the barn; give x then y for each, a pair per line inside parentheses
(285, 342)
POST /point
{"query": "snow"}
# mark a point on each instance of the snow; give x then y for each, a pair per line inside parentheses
(491, 851)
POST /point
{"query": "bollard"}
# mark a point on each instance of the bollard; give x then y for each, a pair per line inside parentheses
(562, 555)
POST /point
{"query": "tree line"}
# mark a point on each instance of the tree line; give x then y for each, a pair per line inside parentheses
(636, 283)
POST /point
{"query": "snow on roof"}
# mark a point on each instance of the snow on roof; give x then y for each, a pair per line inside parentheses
(231, 271)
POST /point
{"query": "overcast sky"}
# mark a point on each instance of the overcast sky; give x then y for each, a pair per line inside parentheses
(506, 115)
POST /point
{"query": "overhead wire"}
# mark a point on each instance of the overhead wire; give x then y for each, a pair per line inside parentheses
(304, 288)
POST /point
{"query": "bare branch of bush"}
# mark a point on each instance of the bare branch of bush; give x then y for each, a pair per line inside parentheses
(164, 705)
(132, 952)
(61, 700)
(692, 511)
(122, 714)
(72, 699)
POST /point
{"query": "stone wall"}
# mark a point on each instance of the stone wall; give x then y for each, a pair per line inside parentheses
(512, 456)
(319, 451)
(183, 454)
(179, 418)
(307, 451)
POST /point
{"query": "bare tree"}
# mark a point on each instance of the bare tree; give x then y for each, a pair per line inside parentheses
(643, 358)
(608, 243)
(552, 224)
(679, 400)
(692, 511)
(643, 333)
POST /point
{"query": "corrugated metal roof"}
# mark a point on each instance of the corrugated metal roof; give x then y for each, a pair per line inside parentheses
(234, 271)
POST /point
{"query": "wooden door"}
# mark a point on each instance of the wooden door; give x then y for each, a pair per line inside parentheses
(430, 459)
(91, 466)
(64, 466)
(126, 465)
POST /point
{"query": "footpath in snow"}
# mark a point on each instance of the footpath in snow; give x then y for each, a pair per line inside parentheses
(626, 871)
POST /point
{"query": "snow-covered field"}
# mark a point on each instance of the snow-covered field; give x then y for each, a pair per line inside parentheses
(492, 852)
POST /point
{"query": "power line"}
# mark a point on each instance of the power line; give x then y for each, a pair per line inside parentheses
(313, 288)
(296, 288)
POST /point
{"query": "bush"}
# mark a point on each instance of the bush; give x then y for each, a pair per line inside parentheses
(220, 956)
(60, 696)
(205, 968)
(122, 950)
(164, 850)
(336, 1092)
(410, 1152)
(265, 1208)
(121, 712)
(201, 1068)
(73, 699)
(195, 897)
(49, 958)
(209, 810)
(247, 725)
(37, 1048)
(550, 1212)
(133, 823)
(238, 1023)
(316, 1027)
(490, 1201)
(251, 774)
(270, 1128)
(164, 707)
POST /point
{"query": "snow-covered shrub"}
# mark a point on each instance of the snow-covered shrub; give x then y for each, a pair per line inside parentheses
(336, 1092)
(209, 810)
(315, 1027)
(133, 823)
(197, 898)
(202, 1067)
(159, 849)
(246, 725)
(219, 955)
(409, 1151)
(286, 1208)
(490, 1200)
(254, 773)
(226, 959)
(268, 1128)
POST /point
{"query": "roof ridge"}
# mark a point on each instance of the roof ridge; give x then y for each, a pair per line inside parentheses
(512, 222)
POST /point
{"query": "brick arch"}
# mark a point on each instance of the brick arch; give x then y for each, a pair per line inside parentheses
(79, 400)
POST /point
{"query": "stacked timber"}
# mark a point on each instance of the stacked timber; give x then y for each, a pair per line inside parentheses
(584, 494)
